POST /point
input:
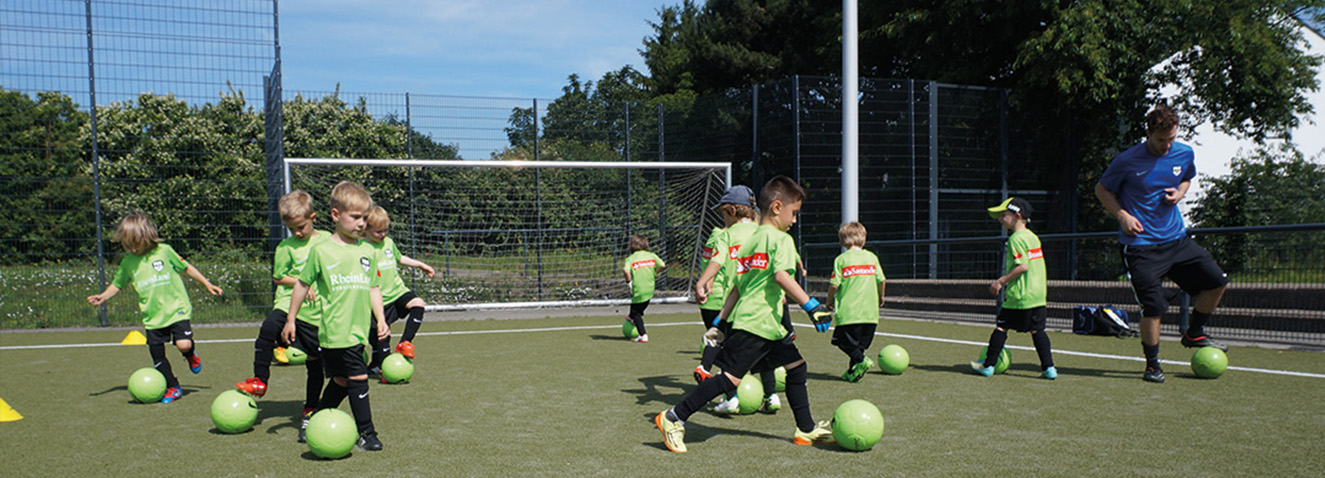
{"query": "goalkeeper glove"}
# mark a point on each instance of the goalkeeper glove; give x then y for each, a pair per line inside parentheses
(820, 314)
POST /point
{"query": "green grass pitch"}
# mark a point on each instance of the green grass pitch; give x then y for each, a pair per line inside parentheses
(571, 397)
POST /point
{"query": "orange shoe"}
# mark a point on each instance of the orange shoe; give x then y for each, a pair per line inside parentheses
(701, 375)
(405, 348)
(253, 386)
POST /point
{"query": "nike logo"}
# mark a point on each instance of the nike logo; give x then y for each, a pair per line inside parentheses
(156, 365)
(417, 321)
(1142, 173)
(333, 266)
(188, 333)
(363, 395)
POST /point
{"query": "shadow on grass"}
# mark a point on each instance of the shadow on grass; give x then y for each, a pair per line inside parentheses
(698, 433)
(609, 337)
(184, 392)
(654, 387)
(308, 455)
(291, 411)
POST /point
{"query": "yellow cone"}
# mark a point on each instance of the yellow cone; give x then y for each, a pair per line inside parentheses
(7, 413)
(134, 338)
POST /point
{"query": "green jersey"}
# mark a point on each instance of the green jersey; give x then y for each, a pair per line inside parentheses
(388, 262)
(1029, 290)
(290, 257)
(857, 275)
(713, 246)
(759, 309)
(643, 268)
(343, 274)
(730, 239)
(162, 298)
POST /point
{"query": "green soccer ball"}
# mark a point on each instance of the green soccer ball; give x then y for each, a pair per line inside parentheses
(628, 329)
(857, 425)
(1209, 362)
(296, 355)
(750, 394)
(234, 411)
(397, 369)
(893, 359)
(780, 374)
(1004, 359)
(147, 385)
(331, 433)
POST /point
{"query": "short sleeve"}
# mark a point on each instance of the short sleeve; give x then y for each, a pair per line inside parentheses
(122, 275)
(836, 279)
(281, 263)
(1017, 247)
(878, 271)
(784, 256)
(1113, 176)
(312, 268)
(176, 261)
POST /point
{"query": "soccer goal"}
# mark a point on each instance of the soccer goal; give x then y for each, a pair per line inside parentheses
(510, 234)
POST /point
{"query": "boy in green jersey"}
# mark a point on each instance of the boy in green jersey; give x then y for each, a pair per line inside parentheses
(343, 270)
(758, 341)
(1023, 287)
(400, 301)
(288, 262)
(641, 270)
(855, 292)
(153, 269)
(737, 207)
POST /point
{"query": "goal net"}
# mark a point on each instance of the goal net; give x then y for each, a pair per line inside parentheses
(531, 233)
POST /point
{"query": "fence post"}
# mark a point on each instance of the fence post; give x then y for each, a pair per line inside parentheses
(662, 196)
(96, 163)
(933, 178)
(538, 219)
(536, 129)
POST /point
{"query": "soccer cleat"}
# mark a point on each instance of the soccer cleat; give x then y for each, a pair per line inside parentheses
(821, 434)
(370, 442)
(643, 339)
(857, 371)
(674, 433)
(376, 372)
(1153, 374)
(195, 363)
(728, 407)
(405, 348)
(303, 424)
(1050, 373)
(253, 386)
(701, 375)
(172, 394)
(771, 404)
(1202, 341)
(278, 353)
(980, 368)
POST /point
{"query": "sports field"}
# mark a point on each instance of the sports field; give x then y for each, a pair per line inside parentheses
(570, 396)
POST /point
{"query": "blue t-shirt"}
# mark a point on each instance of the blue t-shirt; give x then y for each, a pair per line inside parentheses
(1138, 179)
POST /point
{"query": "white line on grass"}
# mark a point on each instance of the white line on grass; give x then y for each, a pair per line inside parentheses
(596, 327)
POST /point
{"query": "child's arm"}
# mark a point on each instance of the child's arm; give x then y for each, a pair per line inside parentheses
(819, 313)
(832, 294)
(301, 291)
(383, 330)
(881, 287)
(101, 298)
(998, 284)
(291, 281)
(704, 286)
(197, 275)
(733, 295)
(410, 262)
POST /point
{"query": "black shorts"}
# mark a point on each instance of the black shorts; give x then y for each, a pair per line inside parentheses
(396, 309)
(305, 334)
(743, 352)
(1022, 320)
(858, 335)
(177, 331)
(344, 362)
(1181, 260)
(706, 316)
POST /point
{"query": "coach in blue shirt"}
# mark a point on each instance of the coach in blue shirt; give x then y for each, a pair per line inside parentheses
(1141, 188)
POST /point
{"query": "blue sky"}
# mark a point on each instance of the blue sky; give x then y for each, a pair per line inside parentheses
(493, 48)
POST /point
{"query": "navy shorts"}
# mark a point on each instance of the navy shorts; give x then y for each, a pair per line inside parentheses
(743, 352)
(1022, 320)
(344, 362)
(177, 331)
(1181, 260)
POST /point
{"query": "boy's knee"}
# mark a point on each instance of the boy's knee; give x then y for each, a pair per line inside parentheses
(416, 303)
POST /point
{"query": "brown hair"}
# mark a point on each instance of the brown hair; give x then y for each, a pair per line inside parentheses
(296, 205)
(1162, 118)
(347, 197)
(851, 234)
(780, 188)
(638, 243)
(739, 210)
(136, 233)
(377, 218)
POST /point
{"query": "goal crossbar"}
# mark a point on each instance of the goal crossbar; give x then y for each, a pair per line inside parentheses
(480, 163)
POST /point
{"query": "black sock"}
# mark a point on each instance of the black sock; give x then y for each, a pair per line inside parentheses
(798, 397)
(853, 352)
(706, 391)
(268, 334)
(710, 354)
(1196, 324)
(1152, 355)
(380, 348)
(158, 353)
(1042, 348)
(770, 382)
(996, 342)
(313, 387)
(412, 324)
(363, 412)
(332, 395)
(189, 353)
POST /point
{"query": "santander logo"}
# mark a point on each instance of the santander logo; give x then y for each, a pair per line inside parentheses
(860, 270)
(746, 264)
(708, 253)
(642, 264)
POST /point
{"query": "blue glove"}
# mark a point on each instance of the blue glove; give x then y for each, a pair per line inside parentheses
(820, 314)
(716, 321)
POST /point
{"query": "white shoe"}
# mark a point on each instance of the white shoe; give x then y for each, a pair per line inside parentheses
(729, 407)
(643, 339)
(771, 404)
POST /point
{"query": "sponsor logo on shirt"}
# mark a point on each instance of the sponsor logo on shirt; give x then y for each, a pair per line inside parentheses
(707, 254)
(642, 264)
(731, 251)
(858, 270)
(1033, 254)
(757, 261)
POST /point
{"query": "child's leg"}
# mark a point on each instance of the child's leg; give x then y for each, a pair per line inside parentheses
(707, 390)
(712, 344)
(847, 342)
(770, 382)
(268, 336)
(158, 352)
(313, 385)
(335, 392)
(798, 396)
(637, 315)
(380, 348)
(1042, 348)
(996, 342)
(359, 405)
(415, 319)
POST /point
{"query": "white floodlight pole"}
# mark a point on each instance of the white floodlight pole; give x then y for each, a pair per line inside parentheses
(850, 115)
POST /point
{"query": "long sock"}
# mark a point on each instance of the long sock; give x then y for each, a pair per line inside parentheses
(332, 395)
(262, 347)
(798, 397)
(363, 412)
(770, 382)
(313, 387)
(412, 324)
(638, 319)
(1152, 355)
(380, 348)
(1042, 348)
(1196, 325)
(996, 342)
(158, 352)
(701, 395)
(710, 354)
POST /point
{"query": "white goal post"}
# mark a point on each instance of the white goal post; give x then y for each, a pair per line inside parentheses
(521, 234)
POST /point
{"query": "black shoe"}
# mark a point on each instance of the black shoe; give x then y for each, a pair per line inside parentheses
(370, 442)
(1153, 374)
(1202, 341)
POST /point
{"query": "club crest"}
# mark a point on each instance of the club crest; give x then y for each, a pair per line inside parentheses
(158, 265)
(389, 253)
(1177, 170)
(367, 264)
